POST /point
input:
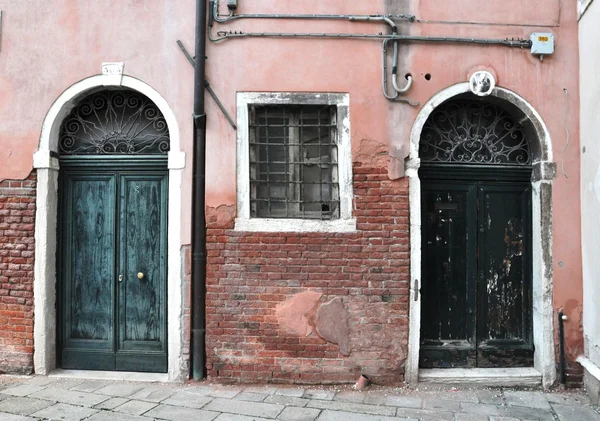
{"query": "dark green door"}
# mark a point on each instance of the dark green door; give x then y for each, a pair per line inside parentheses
(476, 273)
(112, 269)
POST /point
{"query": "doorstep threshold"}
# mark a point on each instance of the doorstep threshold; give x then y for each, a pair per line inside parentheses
(128, 376)
(508, 377)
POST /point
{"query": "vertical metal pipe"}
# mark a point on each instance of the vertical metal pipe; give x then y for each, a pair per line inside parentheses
(561, 346)
(198, 198)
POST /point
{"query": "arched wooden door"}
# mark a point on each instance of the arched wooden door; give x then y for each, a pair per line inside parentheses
(112, 235)
(476, 238)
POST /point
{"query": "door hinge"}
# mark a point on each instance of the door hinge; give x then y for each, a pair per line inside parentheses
(416, 289)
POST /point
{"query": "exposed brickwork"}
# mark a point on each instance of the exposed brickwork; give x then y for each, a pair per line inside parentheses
(17, 213)
(251, 274)
(573, 374)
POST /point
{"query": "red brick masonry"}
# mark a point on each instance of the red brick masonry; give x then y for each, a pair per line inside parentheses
(17, 214)
(251, 276)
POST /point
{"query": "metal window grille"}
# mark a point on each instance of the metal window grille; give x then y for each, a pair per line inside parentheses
(294, 162)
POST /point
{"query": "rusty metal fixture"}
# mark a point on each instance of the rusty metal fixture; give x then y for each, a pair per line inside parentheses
(362, 382)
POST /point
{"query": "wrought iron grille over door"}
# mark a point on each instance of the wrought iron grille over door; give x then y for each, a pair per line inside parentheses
(476, 238)
(114, 123)
(473, 132)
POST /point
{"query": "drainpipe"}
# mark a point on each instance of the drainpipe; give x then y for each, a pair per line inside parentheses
(198, 205)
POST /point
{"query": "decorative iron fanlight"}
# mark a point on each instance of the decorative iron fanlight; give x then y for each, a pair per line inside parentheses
(473, 132)
(114, 122)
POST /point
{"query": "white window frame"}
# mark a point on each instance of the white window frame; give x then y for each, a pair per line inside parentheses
(243, 222)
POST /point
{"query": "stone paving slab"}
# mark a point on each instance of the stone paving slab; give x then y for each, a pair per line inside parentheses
(404, 401)
(459, 416)
(11, 417)
(299, 414)
(89, 386)
(69, 396)
(114, 416)
(174, 413)
(526, 413)
(349, 416)
(155, 393)
(324, 395)
(296, 393)
(481, 408)
(255, 409)
(494, 397)
(187, 399)
(440, 404)
(425, 414)
(251, 397)
(350, 396)
(234, 417)
(23, 389)
(225, 392)
(121, 390)
(134, 407)
(352, 407)
(533, 399)
(111, 403)
(64, 412)
(575, 412)
(287, 400)
(23, 406)
(265, 390)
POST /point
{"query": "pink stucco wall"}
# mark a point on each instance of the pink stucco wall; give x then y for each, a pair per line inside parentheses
(48, 46)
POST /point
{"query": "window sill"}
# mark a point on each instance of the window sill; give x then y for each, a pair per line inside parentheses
(294, 225)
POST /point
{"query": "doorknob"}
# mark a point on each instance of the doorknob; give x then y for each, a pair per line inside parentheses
(140, 275)
(120, 278)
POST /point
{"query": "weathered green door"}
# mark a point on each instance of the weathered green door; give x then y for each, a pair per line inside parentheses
(476, 288)
(112, 267)
(476, 237)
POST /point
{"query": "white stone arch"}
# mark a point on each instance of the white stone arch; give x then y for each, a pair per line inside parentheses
(544, 171)
(45, 161)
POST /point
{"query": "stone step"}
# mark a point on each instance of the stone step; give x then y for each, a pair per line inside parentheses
(489, 377)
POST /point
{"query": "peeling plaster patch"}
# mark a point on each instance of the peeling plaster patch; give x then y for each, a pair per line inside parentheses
(332, 324)
(378, 154)
(295, 315)
(220, 217)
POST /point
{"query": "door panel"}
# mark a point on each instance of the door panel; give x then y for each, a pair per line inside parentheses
(503, 332)
(448, 258)
(143, 300)
(88, 268)
(476, 274)
(110, 319)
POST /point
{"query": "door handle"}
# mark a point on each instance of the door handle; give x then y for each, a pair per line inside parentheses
(140, 275)
(120, 278)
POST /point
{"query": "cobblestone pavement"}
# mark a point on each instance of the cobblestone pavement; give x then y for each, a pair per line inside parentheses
(68, 399)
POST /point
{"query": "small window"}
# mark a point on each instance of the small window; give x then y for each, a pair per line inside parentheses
(293, 162)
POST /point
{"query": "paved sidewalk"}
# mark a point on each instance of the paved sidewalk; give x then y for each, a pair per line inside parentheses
(43, 398)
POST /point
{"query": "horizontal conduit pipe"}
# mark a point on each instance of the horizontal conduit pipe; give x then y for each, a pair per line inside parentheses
(228, 18)
(517, 43)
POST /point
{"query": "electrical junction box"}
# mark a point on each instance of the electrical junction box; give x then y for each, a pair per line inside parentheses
(542, 43)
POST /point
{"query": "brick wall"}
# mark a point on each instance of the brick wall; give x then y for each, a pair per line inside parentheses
(17, 213)
(252, 275)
